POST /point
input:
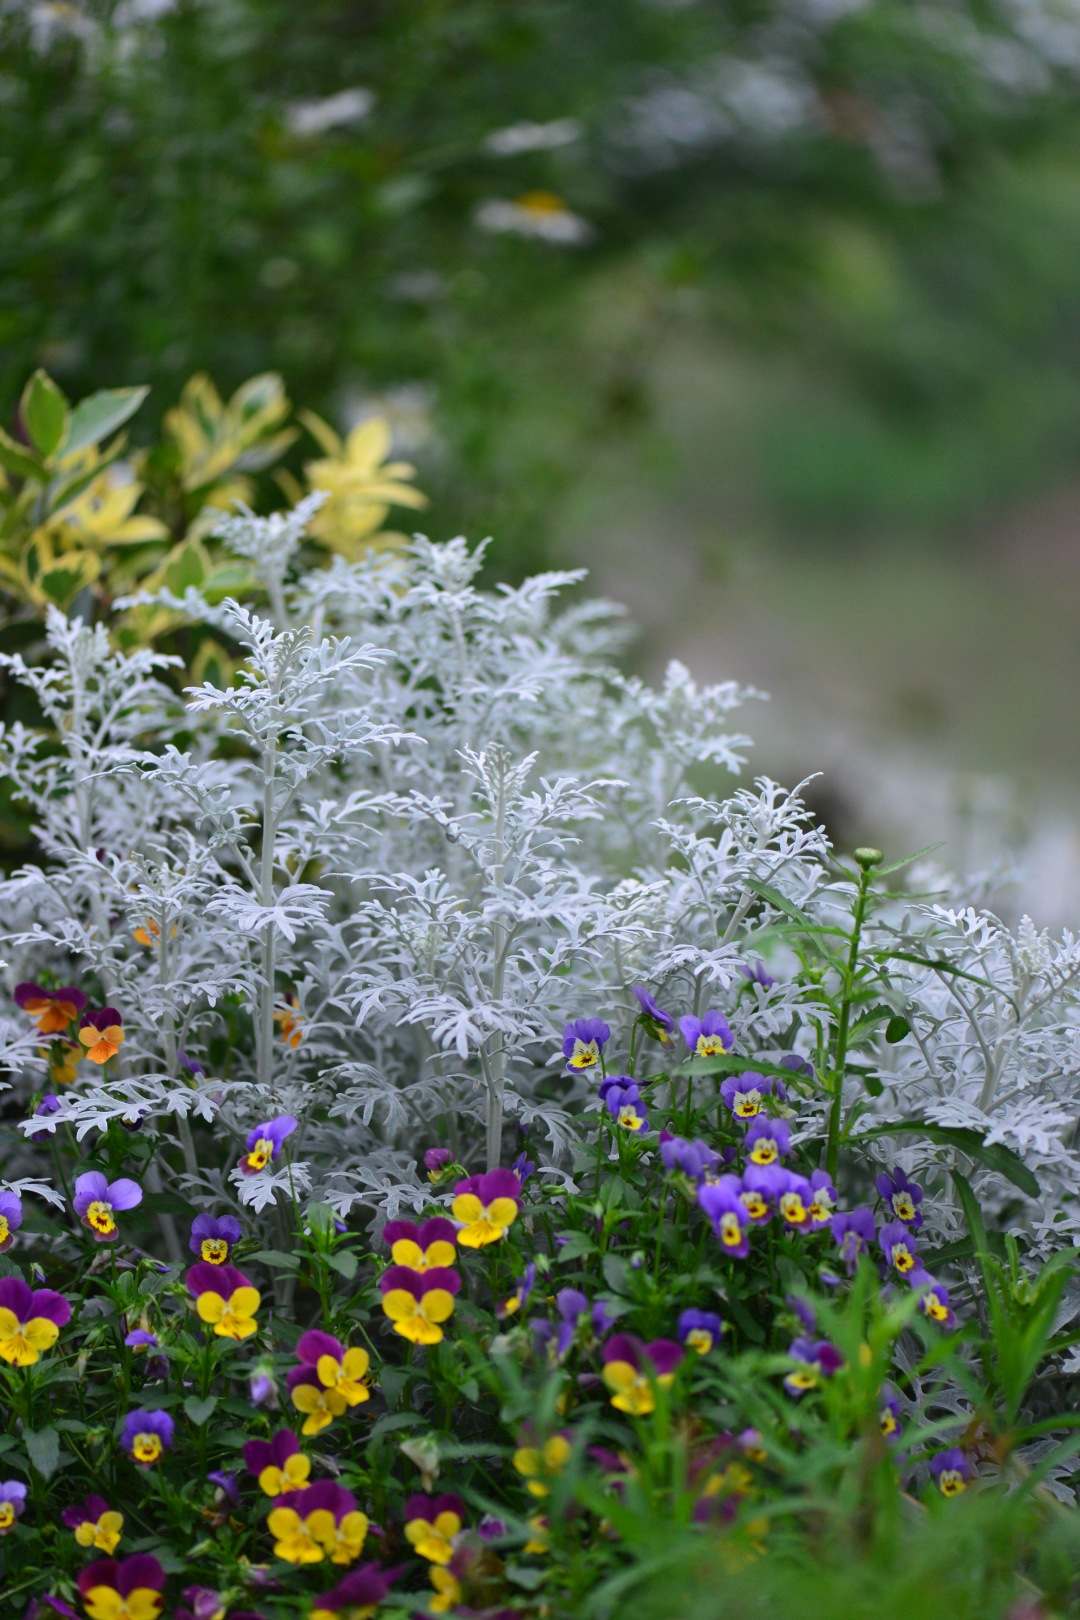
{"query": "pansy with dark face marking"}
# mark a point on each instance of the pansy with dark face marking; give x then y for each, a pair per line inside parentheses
(823, 1201)
(699, 1330)
(721, 1202)
(633, 1370)
(745, 1093)
(30, 1321)
(146, 1436)
(213, 1237)
(708, 1036)
(902, 1196)
(694, 1160)
(95, 1524)
(817, 1359)
(623, 1101)
(898, 1246)
(54, 1011)
(768, 1141)
(12, 1503)
(431, 1243)
(853, 1231)
(933, 1298)
(584, 1040)
(264, 1143)
(98, 1201)
(11, 1218)
(102, 1033)
(124, 1589)
(951, 1471)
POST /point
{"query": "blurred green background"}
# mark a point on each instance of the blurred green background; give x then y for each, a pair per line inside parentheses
(766, 310)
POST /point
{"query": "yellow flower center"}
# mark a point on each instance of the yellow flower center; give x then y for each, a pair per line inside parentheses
(889, 1424)
(585, 1055)
(793, 1209)
(7, 1516)
(951, 1482)
(730, 1230)
(710, 1046)
(261, 1154)
(754, 1205)
(629, 1118)
(935, 1308)
(747, 1104)
(764, 1151)
(902, 1258)
(701, 1340)
(105, 1603)
(215, 1251)
(802, 1379)
(146, 1448)
(99, 1216)
(904, 1206)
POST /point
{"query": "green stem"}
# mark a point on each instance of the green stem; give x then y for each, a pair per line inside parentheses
(832, 1148)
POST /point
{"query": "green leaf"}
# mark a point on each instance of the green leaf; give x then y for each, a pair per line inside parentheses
(320, 1217)
(275, 1259)
(166, 1203)
(616, 1273)
(896, 1029)
(94, 418)
(200, 1411)
(937, 962)
(765, 892)
(345, 1264)
(927, 849)
(577, 1245)
(873, 1085)
(996, 1157)
(19, 460)
(44, 412)
(43, 1449)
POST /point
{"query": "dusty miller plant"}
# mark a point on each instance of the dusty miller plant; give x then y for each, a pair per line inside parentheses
(428, 824)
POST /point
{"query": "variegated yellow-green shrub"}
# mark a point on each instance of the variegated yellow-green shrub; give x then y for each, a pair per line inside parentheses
(86, 519)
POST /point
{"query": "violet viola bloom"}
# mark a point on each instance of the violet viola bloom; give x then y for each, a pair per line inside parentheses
(933, 1298)
(898, 1246)
(762, 1185)
(523, 1287)
(96, 1200)
(141, 1339)
(709, 1036)
(853, 1233)
(745, 1093)
(146, 1435)
(803, 1309)
(659, 1024)
(432, 1243)
(49, 1104)
(192, 1065)
(768, 1140)
(823, 1204)
(226, 1481)
(623, 1101)
(692, 1159)
(127, 1586)
(902, 1196)
(797, 1064)
(756, 974)
(52, 1010)
(951, 1471)
(361, 1592)
(818, 1359)
(12, 1503)
(793, 1204)
(11, 1218)
(436, 1161)
(889, 1417)
(721, 1203)
(30, 1321)
(213, 1237)
(264, 1143)
(699, 1330)
(584, 1040)
(523, 1167)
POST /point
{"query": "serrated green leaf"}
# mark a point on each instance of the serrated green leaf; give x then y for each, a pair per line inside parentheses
(43, 1449)
(44, 412)
(995, 1157)
(94, 418)
(19, 460)
(200, 1411)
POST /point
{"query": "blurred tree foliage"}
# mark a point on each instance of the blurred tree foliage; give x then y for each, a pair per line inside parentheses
(491, 212)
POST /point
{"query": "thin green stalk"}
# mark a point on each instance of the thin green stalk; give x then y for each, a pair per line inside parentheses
(867, 859)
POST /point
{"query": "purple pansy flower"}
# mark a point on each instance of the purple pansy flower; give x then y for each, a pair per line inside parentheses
(361, 1591)
(794, 1202)
(951, 1471)
(436, 1160)
(11, 1218)
(123, 1576)
(693, 1159)
(853, 1232)
(933, 1298)
(889, 1417)
(762, 1185)
(261, 1387)
(902, 1196)
(623, 1101)
(49, 1104)
(523, 1287)
(745, 1093)
(756, 974)
(823, 1203)
(803, 1309)
(797, 1064)
(191, 1064)
(699, 1330)
(225, 1480)
(12, 1503)
(523, 1167)
(768, 1140)
(213, 1237)
(721, 1203)
(30, 1321)
(146, 1435)
(818, 1359)
(141, 1339)
(96, 1199)
(660, 1025)
(264, 1143)
(709, 1036)
(584, 1040)
(898, 1246)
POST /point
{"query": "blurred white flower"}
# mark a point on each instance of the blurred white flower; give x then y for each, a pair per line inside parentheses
(315, 117)
(530, 137)
(538, 214)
